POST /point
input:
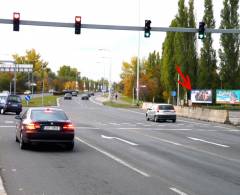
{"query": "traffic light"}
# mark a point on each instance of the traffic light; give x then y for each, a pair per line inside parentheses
(16, 21)
(201, 30)
(147, 28)
(78, 25)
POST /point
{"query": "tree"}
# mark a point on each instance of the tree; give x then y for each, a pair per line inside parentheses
(207, 73)
(191, 60)
(168, 70)
(230, 43)
(39, 69)
(128, 76)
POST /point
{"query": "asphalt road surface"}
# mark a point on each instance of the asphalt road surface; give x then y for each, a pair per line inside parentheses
(118, 152)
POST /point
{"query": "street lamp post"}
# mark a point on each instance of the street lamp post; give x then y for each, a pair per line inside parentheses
(42, 84)
(110, 72)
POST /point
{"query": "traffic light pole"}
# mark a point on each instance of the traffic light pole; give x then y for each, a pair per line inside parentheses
(116, 27)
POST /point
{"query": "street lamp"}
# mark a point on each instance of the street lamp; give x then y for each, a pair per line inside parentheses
(110, 71)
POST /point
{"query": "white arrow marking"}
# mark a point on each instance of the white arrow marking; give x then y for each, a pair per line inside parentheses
(201, 140)
(117, 138)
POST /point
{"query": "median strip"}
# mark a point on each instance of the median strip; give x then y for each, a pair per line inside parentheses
(111, 156)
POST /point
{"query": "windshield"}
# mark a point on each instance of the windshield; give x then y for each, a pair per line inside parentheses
(46, 115)
(14, 99)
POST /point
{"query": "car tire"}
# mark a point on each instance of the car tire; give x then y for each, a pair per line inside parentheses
(2, 111)
(17, 113)
(155, 119)
(70, 146)
(16, 139)
(147, 117)
(22, 144)
(174, 120)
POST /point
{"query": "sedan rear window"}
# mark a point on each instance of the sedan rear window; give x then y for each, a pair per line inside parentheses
(166, 107)
(48, 115)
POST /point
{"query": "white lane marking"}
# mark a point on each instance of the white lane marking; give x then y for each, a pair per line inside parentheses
(147, 125)
(9, 122)
(131, 111)
(222, 127)
(87, 128)
(178, 191)
(128, 128)
(120, 139)
(93, 101)
(213, 143)
(114, 124)
(162, 140)
(3, 126)
(2, 190)
(111, 156)
(196, 123)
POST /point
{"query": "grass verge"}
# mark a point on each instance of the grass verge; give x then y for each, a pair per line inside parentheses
(37, 102)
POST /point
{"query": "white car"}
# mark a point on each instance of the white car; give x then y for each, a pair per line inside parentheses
(27, 92)
(162, 112)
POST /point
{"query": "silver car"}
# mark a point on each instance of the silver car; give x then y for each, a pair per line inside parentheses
(161, 112)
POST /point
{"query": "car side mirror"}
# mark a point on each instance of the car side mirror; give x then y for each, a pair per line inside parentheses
(18, 117)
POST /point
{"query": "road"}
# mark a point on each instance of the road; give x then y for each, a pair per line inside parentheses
(118, 152)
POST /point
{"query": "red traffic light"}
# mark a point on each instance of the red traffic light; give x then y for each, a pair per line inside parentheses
(16, 16)
(16, 21)
(78, 19)
(78, 24)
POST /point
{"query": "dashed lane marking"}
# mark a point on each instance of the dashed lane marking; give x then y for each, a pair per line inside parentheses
(178, 191)
(115, 158)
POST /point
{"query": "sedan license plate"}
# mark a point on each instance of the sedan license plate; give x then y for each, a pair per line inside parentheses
(54, 128)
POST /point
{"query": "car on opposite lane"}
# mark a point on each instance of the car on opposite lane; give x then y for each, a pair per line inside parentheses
(161, 112)
(84, 96)
(44, 125)
(68, 96)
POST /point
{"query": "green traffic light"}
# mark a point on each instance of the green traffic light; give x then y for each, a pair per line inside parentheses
(147, 34)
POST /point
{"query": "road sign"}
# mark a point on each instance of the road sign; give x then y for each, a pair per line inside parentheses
(27, 98)
(173, 93)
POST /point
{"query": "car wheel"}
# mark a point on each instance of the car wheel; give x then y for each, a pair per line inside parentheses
(2, 111)
(17, 113)
(147, 117)
(174, 120)
(155, 119)
(70, 146)
(17, 139)
(22, 144)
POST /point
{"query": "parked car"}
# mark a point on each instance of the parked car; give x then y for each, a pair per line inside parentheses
(161, 112)
(10, 103)
(85, 96)
(44, 125)
(68, 96)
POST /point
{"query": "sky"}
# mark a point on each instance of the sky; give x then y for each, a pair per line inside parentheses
(95, 53)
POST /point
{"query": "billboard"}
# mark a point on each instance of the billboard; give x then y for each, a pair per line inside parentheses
(227, 96)
(201, 96)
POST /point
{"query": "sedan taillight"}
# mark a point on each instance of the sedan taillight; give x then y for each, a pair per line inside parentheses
(31, 126)
(68, 127)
